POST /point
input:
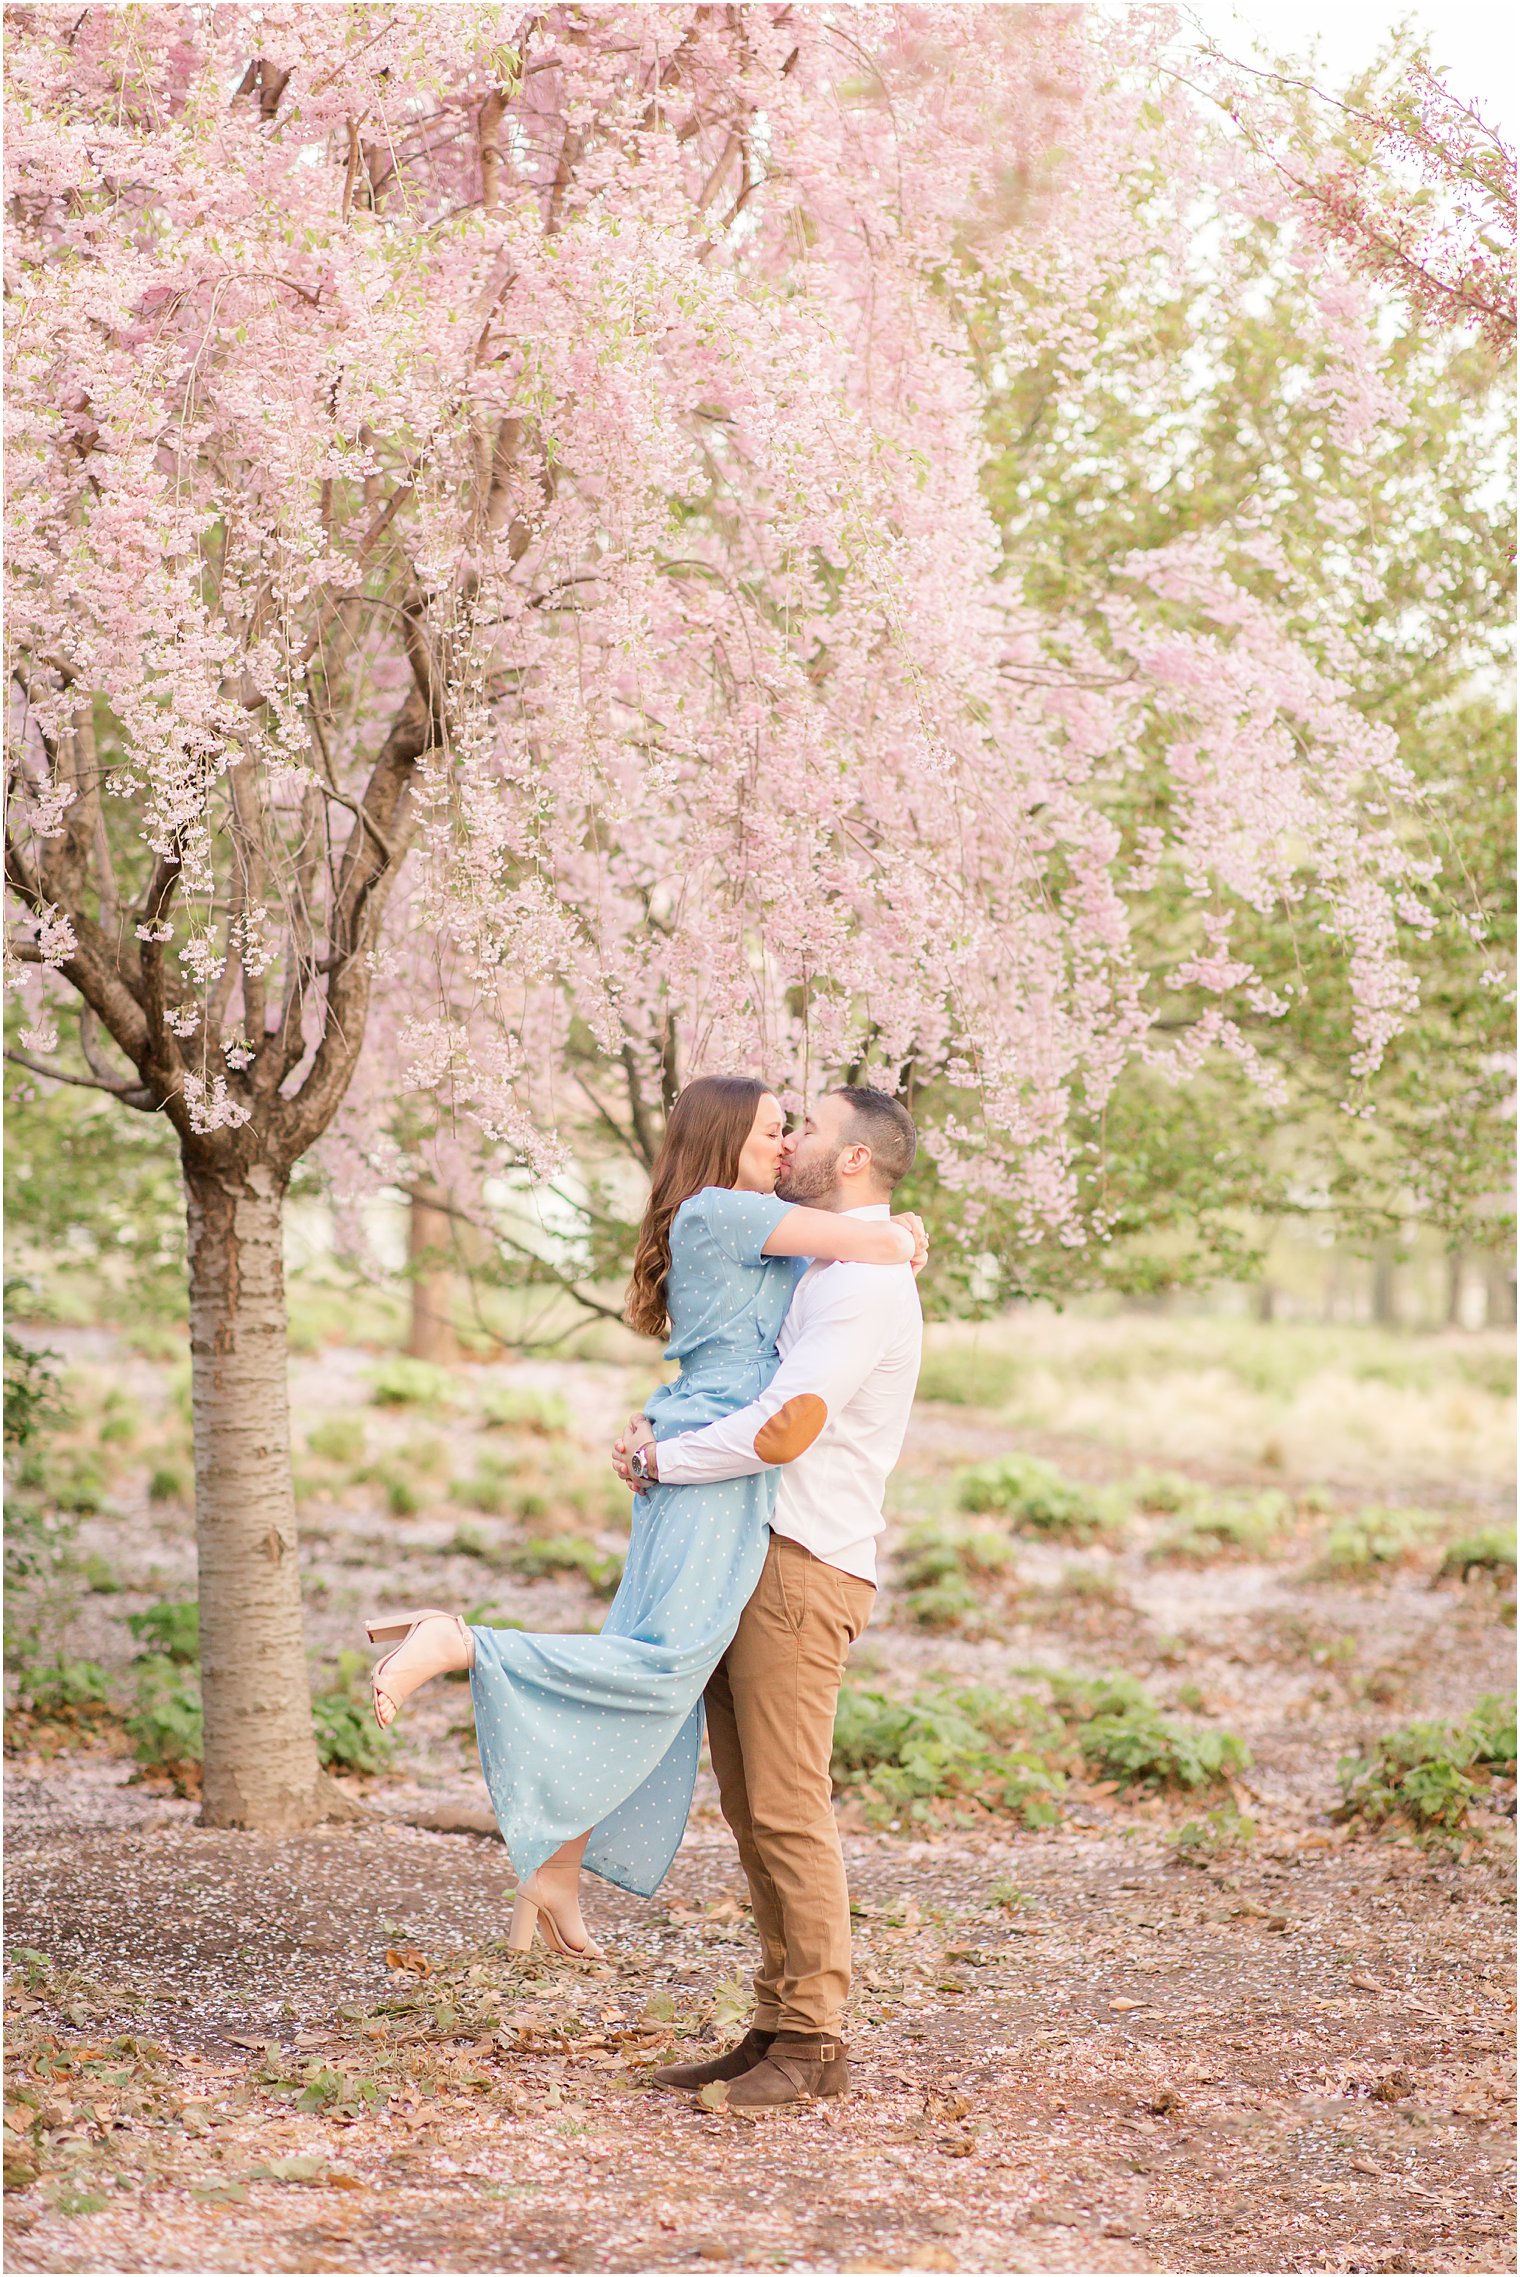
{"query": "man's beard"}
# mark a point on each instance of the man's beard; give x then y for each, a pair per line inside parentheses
(809, 1181)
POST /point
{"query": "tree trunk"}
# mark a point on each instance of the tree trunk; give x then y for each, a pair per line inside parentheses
(1455, 1281)
(261, 1766)
(430, 1246)
(1385, 1303)
(1499, 1282)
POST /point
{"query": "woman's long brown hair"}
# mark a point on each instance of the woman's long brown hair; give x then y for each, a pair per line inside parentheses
(704, 1139)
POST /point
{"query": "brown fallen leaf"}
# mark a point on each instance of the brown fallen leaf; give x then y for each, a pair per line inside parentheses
(408, 1957)
(1122, 2007)
(714, 2095)
(1366, 1984)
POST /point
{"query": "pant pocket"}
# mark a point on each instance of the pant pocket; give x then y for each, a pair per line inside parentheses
(793, 1568)
(858, 1603)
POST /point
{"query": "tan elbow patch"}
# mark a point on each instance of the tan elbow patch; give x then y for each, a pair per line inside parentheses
(792, 1429)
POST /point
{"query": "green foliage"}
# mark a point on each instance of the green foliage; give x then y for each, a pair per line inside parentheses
(965, 1753)
(1218, 1834)
(170, 1630)
(99, 1575)
(1139, 1747)
(490, 1487)
(46, 1688)
(1034, 1496)
(95, 1192)
(34, 1400)
(320, 2087)
(1395, 566)
(962, 1378)
(1004, 1896)
(1491, 1550)
(1423, 1773)
(168, 1482)
(348, 1737)
(1376, 1541)
(165, 1726)
(485, 1616)
(520, 1407)
(944, 1573)
(1085, 1589)
(41, 1573)
(340, 1439)
(565, 1554)
(1123, 1735)
(1163, 1492)
(918, 1759)
(404, 1382)
(1227, 1529)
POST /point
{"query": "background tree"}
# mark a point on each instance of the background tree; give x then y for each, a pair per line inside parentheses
(544, 450)
(1198, 403)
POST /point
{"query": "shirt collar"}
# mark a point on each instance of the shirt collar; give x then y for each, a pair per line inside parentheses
(869, 1210)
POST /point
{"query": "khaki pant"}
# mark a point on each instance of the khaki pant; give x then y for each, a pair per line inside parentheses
(770, 1725)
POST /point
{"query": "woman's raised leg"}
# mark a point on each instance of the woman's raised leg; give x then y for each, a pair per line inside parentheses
(432, 1643)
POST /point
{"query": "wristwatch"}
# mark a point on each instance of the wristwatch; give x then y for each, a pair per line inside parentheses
(638, 1461)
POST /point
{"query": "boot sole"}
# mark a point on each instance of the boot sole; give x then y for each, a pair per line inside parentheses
(793, 2103)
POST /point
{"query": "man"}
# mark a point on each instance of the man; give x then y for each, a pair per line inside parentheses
(833, 1420)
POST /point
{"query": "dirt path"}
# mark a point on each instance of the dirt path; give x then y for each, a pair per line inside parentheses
(1072, 2051)
(1313, 2073)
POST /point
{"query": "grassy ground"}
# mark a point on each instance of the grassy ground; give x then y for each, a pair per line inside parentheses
(1179, 1838)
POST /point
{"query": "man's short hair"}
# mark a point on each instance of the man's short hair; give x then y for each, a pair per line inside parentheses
(882, 1123)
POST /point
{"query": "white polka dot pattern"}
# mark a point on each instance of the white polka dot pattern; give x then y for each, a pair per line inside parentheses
(604, 1731)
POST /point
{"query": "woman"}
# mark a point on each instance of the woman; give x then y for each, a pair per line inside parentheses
(589, 1744)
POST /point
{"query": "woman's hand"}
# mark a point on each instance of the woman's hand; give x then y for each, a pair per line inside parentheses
(913, 1225)
(638, 1434)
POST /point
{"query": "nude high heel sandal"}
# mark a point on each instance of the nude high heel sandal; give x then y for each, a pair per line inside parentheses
(529, 1914)
(403, 1625)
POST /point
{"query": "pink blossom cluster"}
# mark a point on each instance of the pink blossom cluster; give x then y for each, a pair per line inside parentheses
(536, 456)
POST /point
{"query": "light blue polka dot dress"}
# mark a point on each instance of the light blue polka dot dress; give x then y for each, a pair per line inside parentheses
(603, 1731)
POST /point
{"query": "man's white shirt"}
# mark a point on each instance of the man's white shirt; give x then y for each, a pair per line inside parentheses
(852, 1338)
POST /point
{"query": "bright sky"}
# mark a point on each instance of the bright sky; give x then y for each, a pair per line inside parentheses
(1474, 42)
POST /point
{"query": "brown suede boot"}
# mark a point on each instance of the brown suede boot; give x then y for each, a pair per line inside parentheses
(750, 2051)
(798, 2067)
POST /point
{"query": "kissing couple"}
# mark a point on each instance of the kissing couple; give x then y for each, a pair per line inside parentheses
(786, 1287)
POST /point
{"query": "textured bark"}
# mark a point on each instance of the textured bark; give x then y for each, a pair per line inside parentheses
(430, 1246)
(261, 1759)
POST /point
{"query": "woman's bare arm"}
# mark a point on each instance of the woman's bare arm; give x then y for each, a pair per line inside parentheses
(846, 1241)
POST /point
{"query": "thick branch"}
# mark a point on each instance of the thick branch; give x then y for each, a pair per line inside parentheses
(92, 969)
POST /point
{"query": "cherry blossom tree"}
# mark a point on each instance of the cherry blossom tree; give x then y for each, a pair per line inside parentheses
(537, 456)
(1412, 183)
